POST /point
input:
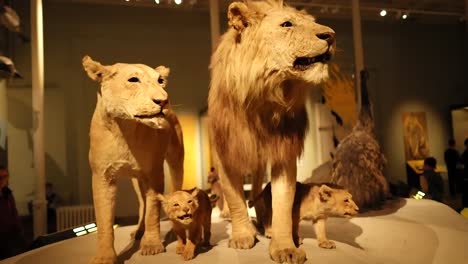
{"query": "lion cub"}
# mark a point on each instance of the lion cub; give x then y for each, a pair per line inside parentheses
(314, 202)
(190, 213)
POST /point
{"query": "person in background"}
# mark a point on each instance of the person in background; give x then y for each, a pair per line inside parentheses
(431, 181)
(452, 157)
(464, 160)
(11, 239)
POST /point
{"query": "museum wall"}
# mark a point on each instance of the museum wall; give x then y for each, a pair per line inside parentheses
(414, 67)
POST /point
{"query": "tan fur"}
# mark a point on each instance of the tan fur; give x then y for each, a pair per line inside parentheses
(257, 112)
(190, 213)
(314, 202)
(132, 132)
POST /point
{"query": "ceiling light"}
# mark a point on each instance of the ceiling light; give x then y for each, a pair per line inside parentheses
(156, 1)
(178, 2)
(383, 13)
(404, 16)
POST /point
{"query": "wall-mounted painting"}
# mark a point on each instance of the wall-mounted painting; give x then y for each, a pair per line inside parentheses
(415, 135)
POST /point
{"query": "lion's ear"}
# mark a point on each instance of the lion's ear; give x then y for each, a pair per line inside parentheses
(194, 192)
(325, 193)
(94, 69)
(238, 16)
(163, 74)
(160, 198)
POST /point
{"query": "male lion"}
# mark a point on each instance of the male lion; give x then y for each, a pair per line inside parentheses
(190, 213)
(260, 74)
(312, 201)
(132, 132)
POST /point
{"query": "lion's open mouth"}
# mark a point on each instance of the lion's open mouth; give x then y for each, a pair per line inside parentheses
(185, 216)
(161, 114)
(302, 63)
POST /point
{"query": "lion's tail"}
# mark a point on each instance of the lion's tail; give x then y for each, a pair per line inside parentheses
(366, 119)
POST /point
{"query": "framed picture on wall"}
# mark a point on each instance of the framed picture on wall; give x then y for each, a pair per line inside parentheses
(415, 135)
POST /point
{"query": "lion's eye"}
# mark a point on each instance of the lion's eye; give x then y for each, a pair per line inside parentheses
(160, 80)
(176, 204)
(346, 200)
(287, 24)
(134, 79)
(190, 201)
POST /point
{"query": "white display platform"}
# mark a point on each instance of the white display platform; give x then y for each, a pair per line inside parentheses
(405, 231)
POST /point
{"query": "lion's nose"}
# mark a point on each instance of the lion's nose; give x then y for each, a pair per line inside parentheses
(186, 209)
(327, 36)
(161, 103)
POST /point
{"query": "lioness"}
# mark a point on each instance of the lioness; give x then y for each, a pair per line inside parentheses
(132, 132)
(314, 202)
(190, 213)
(261, 72)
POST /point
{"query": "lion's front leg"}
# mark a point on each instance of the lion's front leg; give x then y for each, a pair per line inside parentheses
(283, 188)
(243, 232)
(151, 242)
(104, 195)
(320, 231)
(140, 191)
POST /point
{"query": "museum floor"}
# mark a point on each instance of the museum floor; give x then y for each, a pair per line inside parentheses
(405, 231)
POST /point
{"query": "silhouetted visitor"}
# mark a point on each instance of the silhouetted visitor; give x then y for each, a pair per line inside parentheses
(53, 201)
(464, 160)
(11, 239)
(431, 181)
(452, 157)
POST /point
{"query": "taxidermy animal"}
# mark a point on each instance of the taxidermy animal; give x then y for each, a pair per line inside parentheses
(312, 201)
(190, 213)
(359, 162)
(10, 19)
(261, 72)
(133, 130)
(7, 69)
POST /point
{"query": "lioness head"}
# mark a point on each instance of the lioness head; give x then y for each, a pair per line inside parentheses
(131, 91)
(282, 39)
(337, 202)
(180, 206)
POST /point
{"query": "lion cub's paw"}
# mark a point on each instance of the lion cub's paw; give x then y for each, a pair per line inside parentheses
(188, 254)
(152, 249)
(327, 244)
(291, 255)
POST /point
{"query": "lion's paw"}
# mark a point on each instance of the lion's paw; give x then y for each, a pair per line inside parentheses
(180, 249)
(137, 234)
(291, 255)
(243, 238)
(327, 244)
(104, 258)
(151, 248)
(188, 254)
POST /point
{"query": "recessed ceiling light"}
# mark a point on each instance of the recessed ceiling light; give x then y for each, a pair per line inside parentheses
(156, 1)
(404, 16)
(178, 2)
(383, 13)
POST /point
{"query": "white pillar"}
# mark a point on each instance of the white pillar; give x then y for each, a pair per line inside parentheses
(358, 51)
(37, 54)
(214, 22)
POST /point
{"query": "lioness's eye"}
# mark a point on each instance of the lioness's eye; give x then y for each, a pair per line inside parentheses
(287, 24)
(160, 80)
(134, 79)
(190, 201)
(346, 200)
(176, 204)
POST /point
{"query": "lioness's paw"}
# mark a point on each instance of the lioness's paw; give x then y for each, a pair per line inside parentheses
(103, 258)
(152, 249)
(188, 254)
(179, 249)
(291, 255)
(327, 244)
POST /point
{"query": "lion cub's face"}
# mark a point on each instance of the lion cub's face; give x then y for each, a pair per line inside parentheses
(290, 40)
(180, 206)
(338, 202)
(132, 91)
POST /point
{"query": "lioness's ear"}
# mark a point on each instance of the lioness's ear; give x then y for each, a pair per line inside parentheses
(163, 74)
(160, 198)
(325, 193)
(238, 16)
(195, 192)
(94, 69)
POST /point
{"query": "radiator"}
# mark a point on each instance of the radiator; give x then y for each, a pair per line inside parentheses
(73, 216)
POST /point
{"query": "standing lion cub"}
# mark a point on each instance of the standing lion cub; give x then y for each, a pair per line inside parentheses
(190, 213)
(132, 132)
